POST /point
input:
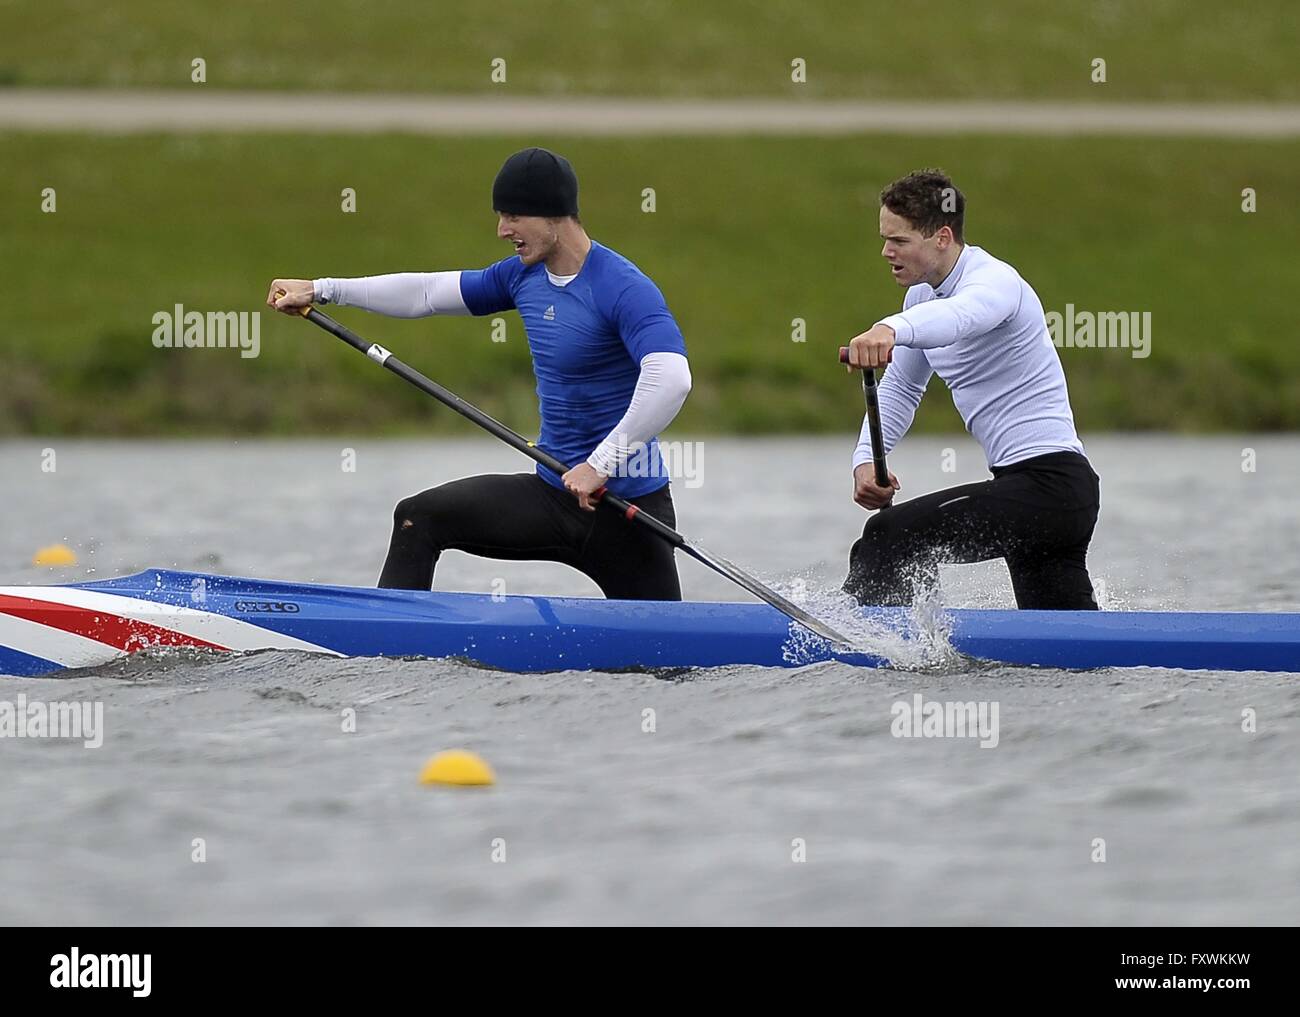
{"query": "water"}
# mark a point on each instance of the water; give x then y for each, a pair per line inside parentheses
(698, 821)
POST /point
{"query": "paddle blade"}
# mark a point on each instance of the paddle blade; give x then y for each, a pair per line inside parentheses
(770, 596)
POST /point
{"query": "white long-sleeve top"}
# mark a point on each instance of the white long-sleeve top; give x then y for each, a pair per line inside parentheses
(398, 295)
(983, 331)
(661, 387)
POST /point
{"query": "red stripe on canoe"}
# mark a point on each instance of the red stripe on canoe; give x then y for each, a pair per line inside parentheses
(126, 634)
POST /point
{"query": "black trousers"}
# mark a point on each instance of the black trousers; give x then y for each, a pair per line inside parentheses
(1038, 514)
(520, 517)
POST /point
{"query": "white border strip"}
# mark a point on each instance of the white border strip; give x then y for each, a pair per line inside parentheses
(206, 625)
(65, 648)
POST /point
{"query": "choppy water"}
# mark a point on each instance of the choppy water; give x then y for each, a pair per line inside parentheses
(698, 820)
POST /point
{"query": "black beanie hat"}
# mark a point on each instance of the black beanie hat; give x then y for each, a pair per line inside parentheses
(536, 182)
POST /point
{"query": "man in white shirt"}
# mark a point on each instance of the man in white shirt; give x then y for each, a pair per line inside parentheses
(971, 319)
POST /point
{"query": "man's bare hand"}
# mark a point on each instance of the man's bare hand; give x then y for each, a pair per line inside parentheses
(290, 295)
(873, 348)
(867, 493)
(583, 481)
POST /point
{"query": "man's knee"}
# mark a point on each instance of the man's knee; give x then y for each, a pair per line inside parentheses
(883, 537)
(885, 525)
(423, 512)
(406, 513)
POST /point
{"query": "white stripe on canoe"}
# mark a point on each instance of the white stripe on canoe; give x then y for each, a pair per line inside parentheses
(66, 648)
(214, 628)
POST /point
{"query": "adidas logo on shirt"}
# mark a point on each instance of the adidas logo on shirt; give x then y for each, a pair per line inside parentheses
(549, 313)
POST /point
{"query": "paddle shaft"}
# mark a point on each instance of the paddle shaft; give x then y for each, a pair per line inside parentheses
(471, 412)
(517, 441)
(869, 393)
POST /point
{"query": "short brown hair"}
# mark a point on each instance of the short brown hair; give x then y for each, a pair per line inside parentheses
(929, 201)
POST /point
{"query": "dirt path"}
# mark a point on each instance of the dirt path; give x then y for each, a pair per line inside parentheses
(202, 110)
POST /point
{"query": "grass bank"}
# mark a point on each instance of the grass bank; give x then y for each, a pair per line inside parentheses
(747, 235)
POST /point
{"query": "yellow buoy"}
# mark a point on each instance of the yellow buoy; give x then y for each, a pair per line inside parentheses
(55, 554)
(457, 766)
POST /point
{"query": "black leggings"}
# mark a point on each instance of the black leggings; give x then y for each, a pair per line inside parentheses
(1038, 514)
(520, 517)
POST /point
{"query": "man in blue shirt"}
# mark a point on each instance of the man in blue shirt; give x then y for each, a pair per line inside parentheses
(611, 372)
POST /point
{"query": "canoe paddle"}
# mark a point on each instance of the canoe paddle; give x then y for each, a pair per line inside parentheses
(873, 422)
(518, 442)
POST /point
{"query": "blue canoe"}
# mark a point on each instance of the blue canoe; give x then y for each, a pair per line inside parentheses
(46, 629)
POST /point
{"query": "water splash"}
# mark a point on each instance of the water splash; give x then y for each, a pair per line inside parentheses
(912, 638)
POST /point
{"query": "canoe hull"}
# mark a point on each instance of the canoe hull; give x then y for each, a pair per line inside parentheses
(45, 629)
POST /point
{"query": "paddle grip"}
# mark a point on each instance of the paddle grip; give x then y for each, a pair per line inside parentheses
(303, 311)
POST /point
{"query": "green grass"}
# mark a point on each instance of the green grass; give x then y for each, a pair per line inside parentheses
(749, 234)
(1156, 49)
